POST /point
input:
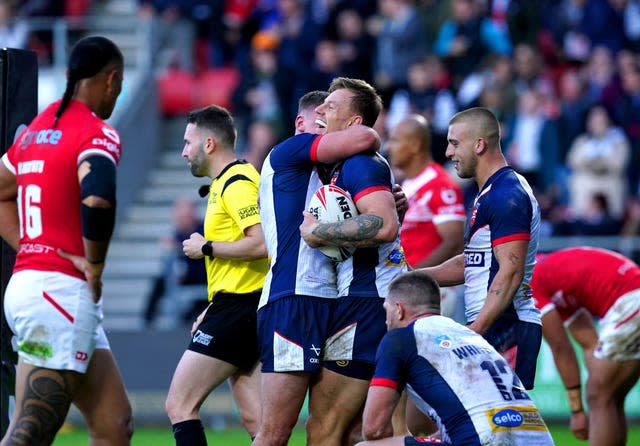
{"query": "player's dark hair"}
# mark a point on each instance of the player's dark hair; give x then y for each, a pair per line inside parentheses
(89, 57)
(217, 120)
(485, 124)
(311, 99)
(416, 289)
(366, 102)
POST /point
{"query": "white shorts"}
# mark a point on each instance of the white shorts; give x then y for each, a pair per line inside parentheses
(619, 338)
(56, 323)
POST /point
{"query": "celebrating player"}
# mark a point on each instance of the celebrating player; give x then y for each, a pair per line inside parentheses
(501, 244)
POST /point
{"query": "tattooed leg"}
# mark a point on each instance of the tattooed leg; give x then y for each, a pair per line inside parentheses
(43, 397)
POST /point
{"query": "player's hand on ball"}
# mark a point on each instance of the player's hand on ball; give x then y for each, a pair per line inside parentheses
(192, 247)
(307, 227)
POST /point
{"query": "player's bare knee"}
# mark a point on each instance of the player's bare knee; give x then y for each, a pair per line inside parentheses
(117, 430)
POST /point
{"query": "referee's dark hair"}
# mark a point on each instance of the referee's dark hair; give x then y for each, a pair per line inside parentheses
(218, 121)
(89, 57)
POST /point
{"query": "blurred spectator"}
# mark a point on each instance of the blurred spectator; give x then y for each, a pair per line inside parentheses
(631, 18)
(530, 71)
(519, 18)
(181, 287)
(298, 35)
(627, 113)
(427, 95)
(467, 37)
(258, 95)
(603, 25)
(596, 220)
(631, 223)
(261, 137)
(173, 30)
(14, 32)
(354, 45)
(531, 142)
(326, 65)
(598, 160)
(495, 75)
(573, 105)
(400, 41)
(600, 72)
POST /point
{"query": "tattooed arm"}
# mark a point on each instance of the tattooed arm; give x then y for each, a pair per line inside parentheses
(511, 258)
(377, 223)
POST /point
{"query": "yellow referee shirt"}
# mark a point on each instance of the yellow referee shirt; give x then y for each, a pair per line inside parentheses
(232, 208)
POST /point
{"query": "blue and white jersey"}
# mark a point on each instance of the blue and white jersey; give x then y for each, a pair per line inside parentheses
(287, 182)
(455, 376)
(369, 271)
(503, 211)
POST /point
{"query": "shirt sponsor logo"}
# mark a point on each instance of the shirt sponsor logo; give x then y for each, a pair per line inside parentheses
(248, 211)
(46, 136)
(473, 259)
(81, 356)
(395, 257)
(35, 166)
(104, 142)
(317, 351)
(202, 338)
(515, 418)
(111, 134)
(443, 341)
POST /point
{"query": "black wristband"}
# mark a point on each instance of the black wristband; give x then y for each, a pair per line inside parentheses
(207, 249)
(95, 262)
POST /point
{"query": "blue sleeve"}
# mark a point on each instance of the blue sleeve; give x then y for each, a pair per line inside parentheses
(392, 358)
(295, 151)
(364, 173)
(511, 213)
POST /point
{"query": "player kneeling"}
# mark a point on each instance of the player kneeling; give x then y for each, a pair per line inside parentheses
(451, 374)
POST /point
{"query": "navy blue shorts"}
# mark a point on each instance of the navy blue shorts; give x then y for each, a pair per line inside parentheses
(356, 329)
(292, 332)
(519, 342)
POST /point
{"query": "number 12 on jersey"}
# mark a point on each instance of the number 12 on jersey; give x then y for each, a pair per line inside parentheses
(498, 370)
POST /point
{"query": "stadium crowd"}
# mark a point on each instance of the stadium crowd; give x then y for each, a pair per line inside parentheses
(562, 76)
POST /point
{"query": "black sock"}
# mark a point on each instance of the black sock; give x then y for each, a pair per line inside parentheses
(189, 433)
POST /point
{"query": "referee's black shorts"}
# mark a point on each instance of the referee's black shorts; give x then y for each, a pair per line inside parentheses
(229, 330)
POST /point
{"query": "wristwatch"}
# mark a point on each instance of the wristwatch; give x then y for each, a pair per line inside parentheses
(207, 249)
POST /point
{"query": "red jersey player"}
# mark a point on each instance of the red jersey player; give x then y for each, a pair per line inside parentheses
(571, 286)
(433, 226)
(57, 205)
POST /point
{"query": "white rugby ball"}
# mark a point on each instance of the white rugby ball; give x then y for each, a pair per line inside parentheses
(331, 204)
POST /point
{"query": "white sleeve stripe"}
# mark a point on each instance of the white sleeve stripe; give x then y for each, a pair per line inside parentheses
(8, 165)
(544, 310)
(94, 151)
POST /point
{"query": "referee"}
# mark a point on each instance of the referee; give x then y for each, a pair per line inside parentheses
(224, 337)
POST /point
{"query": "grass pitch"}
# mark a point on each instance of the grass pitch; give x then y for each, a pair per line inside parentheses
(158, 436)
